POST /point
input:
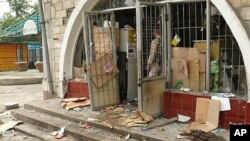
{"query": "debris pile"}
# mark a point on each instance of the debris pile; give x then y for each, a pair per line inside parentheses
(71, 103)
(140, 119)
(198, 135)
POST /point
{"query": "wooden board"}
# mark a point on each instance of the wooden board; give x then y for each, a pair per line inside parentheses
(152, 96)
(103, 70)
(106, 95)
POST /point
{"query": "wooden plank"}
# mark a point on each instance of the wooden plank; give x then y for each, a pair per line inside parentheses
(162, 123)
(152, 96)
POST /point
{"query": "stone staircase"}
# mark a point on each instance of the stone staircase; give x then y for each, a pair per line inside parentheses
(40, 120)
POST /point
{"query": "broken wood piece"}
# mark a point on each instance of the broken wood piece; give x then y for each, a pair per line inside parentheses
(140, 122)
(162, 123)
(8, 125)
(107, 123)
(11, 105)
(145, 116)
(129, 120)
(118, 110)
(114, 116)
(71, 105)
(74, 99)
(136, 125)
(133, 116)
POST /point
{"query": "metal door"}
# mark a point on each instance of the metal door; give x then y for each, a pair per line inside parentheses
(101, 58)
(151, 26)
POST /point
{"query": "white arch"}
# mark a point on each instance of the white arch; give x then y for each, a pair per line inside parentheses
(239, 33)
(73, 29)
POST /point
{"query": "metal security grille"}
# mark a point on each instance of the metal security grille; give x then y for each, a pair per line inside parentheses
(189, 23)
(110, 4)
(100, 47)
(151, 22)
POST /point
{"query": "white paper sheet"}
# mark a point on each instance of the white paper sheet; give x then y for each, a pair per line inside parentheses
(224, 103)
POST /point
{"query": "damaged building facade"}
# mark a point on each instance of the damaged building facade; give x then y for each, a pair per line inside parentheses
(113, 42)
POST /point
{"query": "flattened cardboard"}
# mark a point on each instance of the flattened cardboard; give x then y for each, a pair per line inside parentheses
(193, 73)
(98, 74)
(180, 67)
(193, 53)
(180, 52)
(176, 78)
(202, 81)
(213, 113)
(215, 47)
(202, 62)
(206, 116)
(201, 111)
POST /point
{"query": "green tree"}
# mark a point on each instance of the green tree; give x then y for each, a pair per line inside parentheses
(21, 8)
(7, 20)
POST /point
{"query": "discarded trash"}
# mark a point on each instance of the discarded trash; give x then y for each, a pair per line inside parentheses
(54, 133)
(182, 118)
(127, 137)
(206, 115)
(227, 95)
(185, 89)
(85, 126)
(92, 119)
(9, 125)
(60, 134)
(118, 110)
(199, 135)
(77, 109)
(107, 123)
(75, 102)
(74, 99)
(162, 123)
(11, 105)
(9, 133)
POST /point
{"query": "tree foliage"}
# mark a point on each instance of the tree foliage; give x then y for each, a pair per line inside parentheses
(21, 8)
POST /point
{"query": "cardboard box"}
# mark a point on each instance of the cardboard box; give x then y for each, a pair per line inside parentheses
(179, 66)
(176, 78)
(206, 115)
(102, 40)
(180, 52)
(202, 62)
(216, 46)
(202, 81)
(193, 53)
(193, 73)
(79, 72)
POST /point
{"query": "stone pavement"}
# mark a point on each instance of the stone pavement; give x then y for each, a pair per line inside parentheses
(20, 78)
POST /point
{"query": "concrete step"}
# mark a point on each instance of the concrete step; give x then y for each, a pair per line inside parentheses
(39, 133)
(54, 123)
(136, 134)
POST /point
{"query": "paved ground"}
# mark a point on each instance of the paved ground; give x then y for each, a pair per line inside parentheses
(21, 94)
(32, 76)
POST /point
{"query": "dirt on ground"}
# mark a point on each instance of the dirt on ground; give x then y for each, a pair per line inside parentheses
(21, 94)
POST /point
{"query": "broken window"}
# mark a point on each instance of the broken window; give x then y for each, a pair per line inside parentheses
(227, 66)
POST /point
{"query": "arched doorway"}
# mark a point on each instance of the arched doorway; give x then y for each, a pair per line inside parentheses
(73, 29)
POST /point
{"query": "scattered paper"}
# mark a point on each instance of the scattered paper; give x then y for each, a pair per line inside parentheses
(224, 103)
(182, 118)
(8, 125)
